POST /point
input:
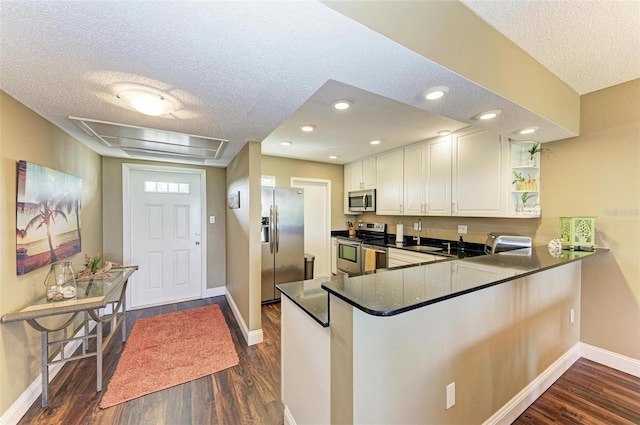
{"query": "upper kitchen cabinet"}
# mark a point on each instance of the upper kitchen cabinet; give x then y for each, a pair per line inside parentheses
(480, 184)
(427, 177)
(390, 183)
(360, 174)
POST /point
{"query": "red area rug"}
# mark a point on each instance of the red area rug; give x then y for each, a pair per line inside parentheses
(171, 349)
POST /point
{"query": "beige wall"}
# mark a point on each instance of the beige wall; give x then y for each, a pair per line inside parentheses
(216, 205)
(451, 35)
(24, 135)
(597, 173)
(244, 263)
(285, 168)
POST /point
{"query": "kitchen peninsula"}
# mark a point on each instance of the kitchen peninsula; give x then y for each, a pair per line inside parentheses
(474, 340)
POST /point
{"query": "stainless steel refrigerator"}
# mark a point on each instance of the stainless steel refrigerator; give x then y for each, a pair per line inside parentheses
(282, 239)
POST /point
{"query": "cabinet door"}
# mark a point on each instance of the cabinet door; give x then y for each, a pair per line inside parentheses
(347, 187)
(355, 175)
(334, 256)
(480, 167)
(438, 176)
(369, 173)
(414, 179)
(389, 182)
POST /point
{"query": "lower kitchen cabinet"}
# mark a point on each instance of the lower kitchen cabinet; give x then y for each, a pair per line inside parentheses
(402, 257)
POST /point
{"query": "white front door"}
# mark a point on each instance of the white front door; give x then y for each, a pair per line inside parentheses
(165, 241)
(317, 222)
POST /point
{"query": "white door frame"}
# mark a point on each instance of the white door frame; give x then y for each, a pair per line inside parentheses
(126, 213)
(327, 184)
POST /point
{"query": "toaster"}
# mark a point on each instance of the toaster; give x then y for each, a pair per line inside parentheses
(497, 242)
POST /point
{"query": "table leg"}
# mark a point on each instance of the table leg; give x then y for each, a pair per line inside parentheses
(44, 352)
(99, 357)
(124, 318)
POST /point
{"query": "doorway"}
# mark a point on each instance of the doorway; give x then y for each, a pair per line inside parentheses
(163, 233)
(317, 222)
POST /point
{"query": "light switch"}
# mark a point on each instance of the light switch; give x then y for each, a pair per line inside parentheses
(212, 219)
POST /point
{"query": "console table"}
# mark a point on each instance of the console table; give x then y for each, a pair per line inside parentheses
(93, 295)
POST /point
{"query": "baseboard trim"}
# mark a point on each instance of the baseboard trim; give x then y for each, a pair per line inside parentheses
(288, 417)
(215, 292)
(518, 404)
(251, 337)
(18, 409)
(609, 358)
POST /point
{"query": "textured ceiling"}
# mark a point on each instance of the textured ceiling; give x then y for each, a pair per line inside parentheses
(590, 45)
(241, 71)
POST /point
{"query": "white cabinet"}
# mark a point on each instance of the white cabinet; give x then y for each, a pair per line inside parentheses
(480, 184)
(361, 174)
(402, 257)
(390, 183)
(524, 199)
(334, 256)
(427, 177)
(414, 179)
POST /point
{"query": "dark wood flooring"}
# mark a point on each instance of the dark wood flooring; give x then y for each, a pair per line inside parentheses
(588, 393)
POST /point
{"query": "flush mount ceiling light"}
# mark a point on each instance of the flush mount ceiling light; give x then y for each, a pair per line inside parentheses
(375, 142)
(286, 143)
(148, 102)
(307, 127)
(529, 130)
(488, 115)
(435, 93)
(444, 133)
(333, 157)
(342, 104)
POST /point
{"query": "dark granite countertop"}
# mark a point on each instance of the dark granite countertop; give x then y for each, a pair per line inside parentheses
(388, 292)
(396, 291)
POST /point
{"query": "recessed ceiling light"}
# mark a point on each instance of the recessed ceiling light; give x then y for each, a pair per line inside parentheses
(307, 127)
(528, 130)
(488, 115)
(147, 102)
(444, 133)
(286, 143)
(375, 142)
(342, 104)
(435, 93)
(333, 157)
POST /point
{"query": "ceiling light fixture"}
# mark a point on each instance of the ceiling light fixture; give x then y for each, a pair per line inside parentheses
(307, 127)
(286, 143)
(529, 130)
(488, 115)
(444, 133)
(147, 102)
(342, 104)
(435, 93)
(375, 142)
(333, 157)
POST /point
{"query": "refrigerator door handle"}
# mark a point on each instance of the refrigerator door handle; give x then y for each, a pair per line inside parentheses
(277, 230)
(271, 229)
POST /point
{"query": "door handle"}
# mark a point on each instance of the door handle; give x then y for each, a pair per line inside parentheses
(271, 229)
(277, 229)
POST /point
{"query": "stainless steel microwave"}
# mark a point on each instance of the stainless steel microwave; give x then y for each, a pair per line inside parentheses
(362, 200)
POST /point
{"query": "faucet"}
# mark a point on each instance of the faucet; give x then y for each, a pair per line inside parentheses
(418, 226)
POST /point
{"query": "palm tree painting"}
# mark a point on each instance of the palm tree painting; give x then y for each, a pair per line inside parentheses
(48, 216)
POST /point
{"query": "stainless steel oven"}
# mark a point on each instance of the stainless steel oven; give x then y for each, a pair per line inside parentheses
(349, 258)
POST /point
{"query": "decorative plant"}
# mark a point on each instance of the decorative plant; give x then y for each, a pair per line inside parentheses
(537, 148)
(525, 197)
(517, 178)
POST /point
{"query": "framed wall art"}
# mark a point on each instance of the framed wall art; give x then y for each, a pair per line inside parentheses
(47, 216)
(234, 200)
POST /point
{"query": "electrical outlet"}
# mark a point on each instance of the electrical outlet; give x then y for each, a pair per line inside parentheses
(462, 229)
(572, 316)
(451, 395)
(212, 219)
